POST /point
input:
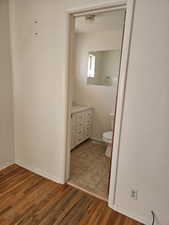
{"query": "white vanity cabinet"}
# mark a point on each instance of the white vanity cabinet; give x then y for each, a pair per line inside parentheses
(81, 125)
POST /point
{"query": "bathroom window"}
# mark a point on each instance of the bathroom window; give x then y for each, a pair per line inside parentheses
(91, 65)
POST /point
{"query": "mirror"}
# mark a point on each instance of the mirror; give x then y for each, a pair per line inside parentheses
(103, 67)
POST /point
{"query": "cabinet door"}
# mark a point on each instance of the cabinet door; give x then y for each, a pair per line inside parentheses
(88, 118)
(80, 125)
(73, 130)
(88, 123)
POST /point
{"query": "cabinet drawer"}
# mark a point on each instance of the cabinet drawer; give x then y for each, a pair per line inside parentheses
(79, 126)
(88, 131)
(88, 122)
(80, 117)
(89, 114)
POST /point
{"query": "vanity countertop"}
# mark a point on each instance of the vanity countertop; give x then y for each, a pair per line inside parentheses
(78, 108)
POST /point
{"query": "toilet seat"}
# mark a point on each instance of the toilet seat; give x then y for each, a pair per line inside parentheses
(107, 136)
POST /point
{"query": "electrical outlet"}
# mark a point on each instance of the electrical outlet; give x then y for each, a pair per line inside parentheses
(134, 194)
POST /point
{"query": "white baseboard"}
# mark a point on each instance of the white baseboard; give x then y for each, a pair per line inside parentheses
(6, 164)
(39, 172)
(131, 215)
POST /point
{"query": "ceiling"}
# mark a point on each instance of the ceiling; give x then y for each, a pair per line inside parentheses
(103, 21)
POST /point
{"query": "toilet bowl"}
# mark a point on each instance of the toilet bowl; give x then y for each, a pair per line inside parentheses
(107, 138)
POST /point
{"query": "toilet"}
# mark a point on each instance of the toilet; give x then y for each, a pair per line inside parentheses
(107, 138)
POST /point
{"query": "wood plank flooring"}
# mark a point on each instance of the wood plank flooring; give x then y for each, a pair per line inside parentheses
(29, 199)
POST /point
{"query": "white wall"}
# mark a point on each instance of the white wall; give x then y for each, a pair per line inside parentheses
(6, 116)
(109, 67)
(39, 82)
(101, 98)
(39, 86)
(144, 146)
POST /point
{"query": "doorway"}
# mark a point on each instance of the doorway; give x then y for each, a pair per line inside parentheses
(84, 146)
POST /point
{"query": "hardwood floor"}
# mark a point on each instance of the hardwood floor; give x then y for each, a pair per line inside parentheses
(29, 199)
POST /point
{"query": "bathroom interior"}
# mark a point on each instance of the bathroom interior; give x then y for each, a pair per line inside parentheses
(97, 53)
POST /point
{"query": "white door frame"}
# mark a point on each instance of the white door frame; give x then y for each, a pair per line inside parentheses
(129, 5)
